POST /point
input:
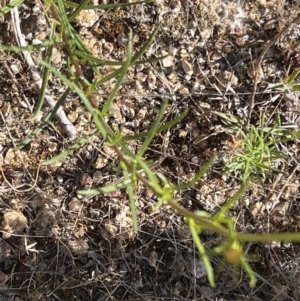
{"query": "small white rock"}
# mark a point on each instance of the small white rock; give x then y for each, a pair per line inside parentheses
(60, 179)
(195, 160)
(135, 123)
(29, 36)
(36, 9)
(122, 39)
(56, 56)
(108, 48)
(87, 18)
(51, 146)
(187, 67)
(41, 23)
(36, 42)
(15, 68)
(167, 61)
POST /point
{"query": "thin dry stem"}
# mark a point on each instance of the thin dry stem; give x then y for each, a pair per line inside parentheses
(60, 114)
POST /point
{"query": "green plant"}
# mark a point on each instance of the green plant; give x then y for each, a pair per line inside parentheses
(288, 84)
(254, 149)
(253, 158)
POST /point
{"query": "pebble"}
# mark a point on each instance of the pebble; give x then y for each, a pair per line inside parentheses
(75, 204)
(187, 67)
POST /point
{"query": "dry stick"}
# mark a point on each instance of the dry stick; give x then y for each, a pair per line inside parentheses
(18, 190)
(60, 114)
(260, 59)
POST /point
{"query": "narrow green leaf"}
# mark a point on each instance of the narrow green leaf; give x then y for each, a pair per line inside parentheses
(146, 45)
(104, 190)
(26, 48)
(293, 77)
(46, 73)
(46, 120)
(80, 93)
(114, 74)
(160, 129)
(153, 130)
(130, 194)
(97, 61)
(153, 179)
(202, 252)
(295, 88)
(123, 72)
(71, 149)
(225, 208)
(108, 6)
(6, 9)
(199, 174)
(66, 27)
(249, 271)
(78, 9)
(80, 46)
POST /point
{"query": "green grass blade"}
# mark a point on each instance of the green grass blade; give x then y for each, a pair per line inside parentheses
(96, 61)
(146, 45)
(224, 209)
(102, 127)
(80, 46)
(66, 28)
(26, 48)
(129, 188)
(249, 271)
(71, 149)
(202, 252)
(6, 9)
(46, 73)
(46, 121)
(153, 130)
(123, 72)
(151, 176)
(108, 6)
(80, 93)
(162, 128)
(199, 175)
(78, 9)
(293, 77)
(104, 190)
(114, 74)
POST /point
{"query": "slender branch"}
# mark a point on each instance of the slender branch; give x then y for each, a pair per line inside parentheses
(60, 114)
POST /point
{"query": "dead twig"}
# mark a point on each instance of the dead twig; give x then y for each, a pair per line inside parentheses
(60, 114)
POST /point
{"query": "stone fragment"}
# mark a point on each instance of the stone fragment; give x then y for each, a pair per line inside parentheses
(168, 61)
(187, 67)
(14, 222)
